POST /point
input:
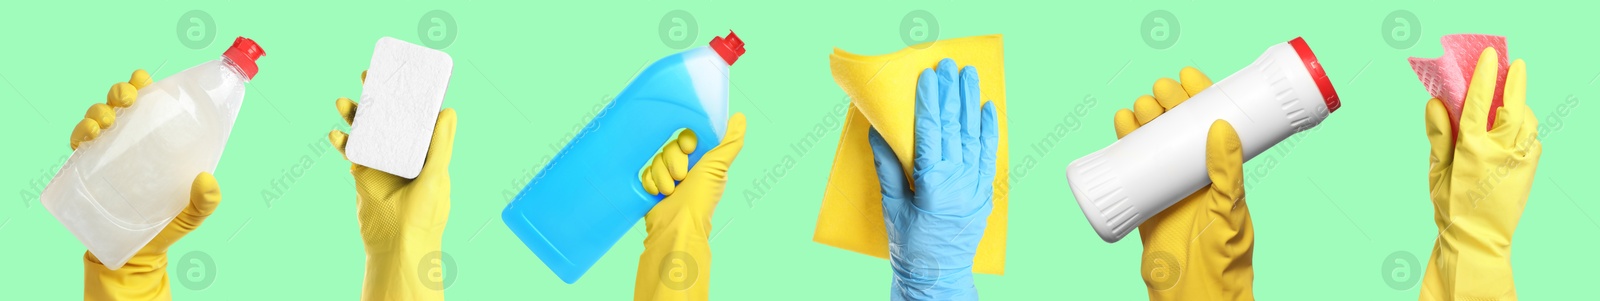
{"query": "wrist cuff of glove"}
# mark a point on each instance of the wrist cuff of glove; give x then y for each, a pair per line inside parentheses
(935, 259)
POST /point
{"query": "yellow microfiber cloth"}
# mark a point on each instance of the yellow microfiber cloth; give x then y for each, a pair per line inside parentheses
(882, 90)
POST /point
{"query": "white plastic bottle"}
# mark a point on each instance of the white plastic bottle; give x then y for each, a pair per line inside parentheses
(1283, 92)
(118, 191)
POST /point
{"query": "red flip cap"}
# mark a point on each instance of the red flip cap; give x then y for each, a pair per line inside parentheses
(729, 48)
(244, 53)
(1329, 97)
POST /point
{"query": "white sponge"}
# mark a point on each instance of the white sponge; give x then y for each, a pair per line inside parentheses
(400, 103)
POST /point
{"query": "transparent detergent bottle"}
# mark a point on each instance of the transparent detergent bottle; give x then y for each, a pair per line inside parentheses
(1285, 91)
(117, 191)
(589, 195)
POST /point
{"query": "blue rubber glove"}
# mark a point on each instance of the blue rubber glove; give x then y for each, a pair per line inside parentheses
(934, 231)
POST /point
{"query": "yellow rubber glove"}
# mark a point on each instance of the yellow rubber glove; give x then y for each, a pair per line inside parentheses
(1479, 182)
(144, 277)
(676, 264)
(402, 220)
(1201, 247)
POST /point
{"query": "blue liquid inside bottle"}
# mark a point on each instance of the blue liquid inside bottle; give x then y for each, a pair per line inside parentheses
(588, 196)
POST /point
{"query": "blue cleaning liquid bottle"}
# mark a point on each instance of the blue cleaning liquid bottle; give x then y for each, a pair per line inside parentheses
(588, 196)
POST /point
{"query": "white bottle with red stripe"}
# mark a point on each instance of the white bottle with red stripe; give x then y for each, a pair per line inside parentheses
(119, 190)
(1283, 92)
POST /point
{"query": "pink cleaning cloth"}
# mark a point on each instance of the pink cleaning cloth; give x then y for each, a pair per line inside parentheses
(1448, 77)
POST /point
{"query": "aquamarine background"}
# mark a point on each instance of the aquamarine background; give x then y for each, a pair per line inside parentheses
(1329, 210)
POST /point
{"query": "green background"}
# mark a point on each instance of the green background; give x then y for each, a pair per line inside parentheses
(1328, 214)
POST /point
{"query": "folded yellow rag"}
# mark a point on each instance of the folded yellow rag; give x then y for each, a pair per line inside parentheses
(882, 90)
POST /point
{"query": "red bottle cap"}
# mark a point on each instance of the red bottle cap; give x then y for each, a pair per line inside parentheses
(1324, 85)
(729, 48)
(244, 53)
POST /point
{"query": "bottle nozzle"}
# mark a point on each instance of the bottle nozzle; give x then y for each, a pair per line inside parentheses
(244, 53)
(730, 48)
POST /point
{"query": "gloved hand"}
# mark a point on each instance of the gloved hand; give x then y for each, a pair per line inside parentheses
(402, 220)
(1479, 182)
(676, 263)
(1199, 248)
(934, 227)
(144, 277)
